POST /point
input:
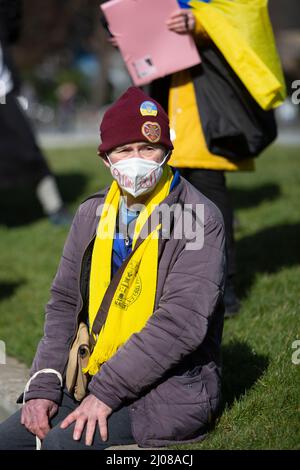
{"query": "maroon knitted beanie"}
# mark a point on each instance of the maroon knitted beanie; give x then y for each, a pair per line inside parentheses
(134, 117)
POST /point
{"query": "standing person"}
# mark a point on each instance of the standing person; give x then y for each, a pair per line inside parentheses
(156, 288)
(21, 159)
(230, 33)
(244, 38)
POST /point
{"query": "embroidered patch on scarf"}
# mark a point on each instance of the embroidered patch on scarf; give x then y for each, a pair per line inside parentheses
(123, 301)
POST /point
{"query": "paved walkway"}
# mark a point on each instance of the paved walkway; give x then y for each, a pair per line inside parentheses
(13, 377)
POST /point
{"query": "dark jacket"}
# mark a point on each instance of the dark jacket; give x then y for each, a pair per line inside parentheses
(10, 20)
(21, 160)
(10, 30)
(169, 372)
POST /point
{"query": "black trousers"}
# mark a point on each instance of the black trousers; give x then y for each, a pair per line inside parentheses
(14, 436)
(212, 183)
(21, 159)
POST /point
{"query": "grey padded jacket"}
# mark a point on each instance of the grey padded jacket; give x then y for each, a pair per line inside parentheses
(169, 373)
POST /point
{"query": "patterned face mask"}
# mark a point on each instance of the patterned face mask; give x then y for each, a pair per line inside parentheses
(137, 176)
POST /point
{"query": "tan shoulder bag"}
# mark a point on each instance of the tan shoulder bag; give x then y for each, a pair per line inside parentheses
(76, 380)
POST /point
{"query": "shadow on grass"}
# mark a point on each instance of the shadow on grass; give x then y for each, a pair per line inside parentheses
(19, 206)
(267, 251)
(242, 367)
(243, 198)
(7, 289)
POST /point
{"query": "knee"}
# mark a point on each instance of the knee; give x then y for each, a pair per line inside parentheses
(5, 440)
(52, 441)
(13, 435)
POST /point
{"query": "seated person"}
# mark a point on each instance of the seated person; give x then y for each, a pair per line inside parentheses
(141, 261)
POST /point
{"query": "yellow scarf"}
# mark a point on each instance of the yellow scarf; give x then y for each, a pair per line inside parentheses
(133, 300)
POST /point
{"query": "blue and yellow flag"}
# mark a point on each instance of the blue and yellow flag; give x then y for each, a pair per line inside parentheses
(186, 3)
(242, 31)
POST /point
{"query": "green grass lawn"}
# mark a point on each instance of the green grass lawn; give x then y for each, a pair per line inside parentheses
(261, 384)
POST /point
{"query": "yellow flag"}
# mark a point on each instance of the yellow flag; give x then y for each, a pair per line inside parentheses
(242, 31)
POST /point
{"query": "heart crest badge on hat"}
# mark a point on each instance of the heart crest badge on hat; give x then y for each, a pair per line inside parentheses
(152, 131)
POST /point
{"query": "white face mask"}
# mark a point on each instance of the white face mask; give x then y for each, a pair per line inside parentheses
(137, 176)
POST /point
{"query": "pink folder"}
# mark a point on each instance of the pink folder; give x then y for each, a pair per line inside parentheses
(148, 48)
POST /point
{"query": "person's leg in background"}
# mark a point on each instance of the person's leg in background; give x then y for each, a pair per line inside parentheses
(212, 183)
(21, 160)
(49, 197)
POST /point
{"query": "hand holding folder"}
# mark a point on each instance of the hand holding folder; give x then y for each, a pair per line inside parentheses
(149, 49)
